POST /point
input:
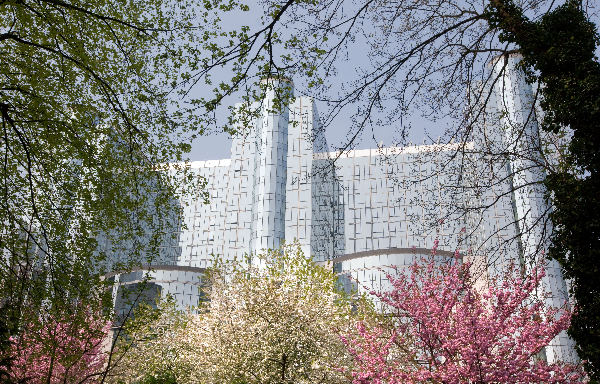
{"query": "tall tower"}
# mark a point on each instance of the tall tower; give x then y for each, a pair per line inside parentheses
(514, 100)
(270, 168)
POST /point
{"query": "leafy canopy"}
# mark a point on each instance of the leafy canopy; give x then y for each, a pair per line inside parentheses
(559, 51)
(92, 106)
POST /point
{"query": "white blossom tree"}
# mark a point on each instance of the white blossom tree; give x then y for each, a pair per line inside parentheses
(278, 322)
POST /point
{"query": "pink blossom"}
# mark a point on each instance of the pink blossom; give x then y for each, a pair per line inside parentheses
(444, 330)
(436, 243)
(62, 350)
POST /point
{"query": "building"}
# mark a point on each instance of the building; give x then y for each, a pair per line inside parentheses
(364, 209)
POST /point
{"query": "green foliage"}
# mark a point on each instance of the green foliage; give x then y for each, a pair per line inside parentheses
(559, 52)
(91, 108)
(150, 348)
(162, 378)
(5, 359)
(166, 377)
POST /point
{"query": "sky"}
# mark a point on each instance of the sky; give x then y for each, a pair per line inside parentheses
(218, 145)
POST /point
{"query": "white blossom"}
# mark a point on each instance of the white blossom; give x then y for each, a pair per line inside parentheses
(280, 323)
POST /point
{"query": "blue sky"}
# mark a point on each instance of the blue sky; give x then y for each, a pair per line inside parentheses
(217, 145)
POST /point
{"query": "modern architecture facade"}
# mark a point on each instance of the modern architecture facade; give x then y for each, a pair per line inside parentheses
(369, 208)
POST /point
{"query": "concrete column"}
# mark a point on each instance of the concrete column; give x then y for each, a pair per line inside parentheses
(520, 133)
(270, 169)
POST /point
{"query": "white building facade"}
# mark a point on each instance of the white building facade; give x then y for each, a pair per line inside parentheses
(366, 209)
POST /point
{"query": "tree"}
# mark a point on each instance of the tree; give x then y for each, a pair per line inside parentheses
(59, 350)
(559, 52)
(431, 58)
(277, 321)
(155, 349)
(447, 330)
(92, 105)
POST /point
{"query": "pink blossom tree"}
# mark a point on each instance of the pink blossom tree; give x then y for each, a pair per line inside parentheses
(60, 349)
(444, 329)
